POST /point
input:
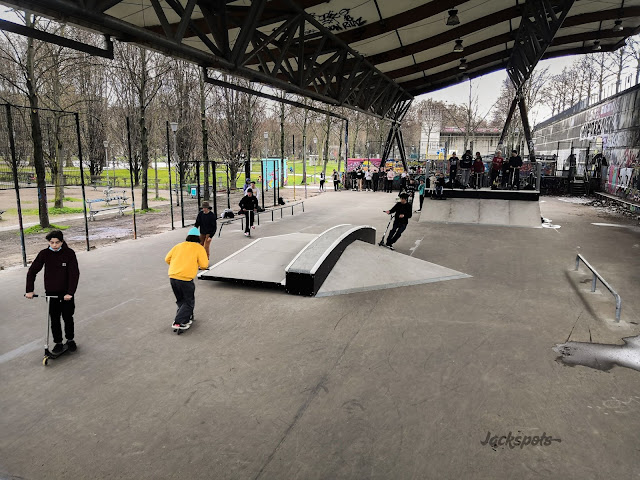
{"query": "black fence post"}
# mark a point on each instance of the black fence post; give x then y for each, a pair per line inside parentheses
(84, 199)
(214, 190)
(181, 176)
(14, 165)
(198, 182)
(133, 198)
(169, 169)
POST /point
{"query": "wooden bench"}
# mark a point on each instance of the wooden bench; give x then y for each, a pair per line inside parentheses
(108, 198)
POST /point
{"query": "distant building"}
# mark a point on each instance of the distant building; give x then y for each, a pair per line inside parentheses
(443, 141)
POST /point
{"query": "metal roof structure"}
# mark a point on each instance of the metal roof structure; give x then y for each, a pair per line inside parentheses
(369, 55)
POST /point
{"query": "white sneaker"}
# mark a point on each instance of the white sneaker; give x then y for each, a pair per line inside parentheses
(253, 227)
(246, 234)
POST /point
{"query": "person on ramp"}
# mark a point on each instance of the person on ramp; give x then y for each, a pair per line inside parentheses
(402, 211)
(61, 275)
(206, 222)
(184, 260)
(248, 206)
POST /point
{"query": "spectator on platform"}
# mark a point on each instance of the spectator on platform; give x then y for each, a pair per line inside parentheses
(505, 174)
(206, 222)
(478, 170)
(61, 276)
(439, 187)
(421, 190)
(360, 177)
(515, 163)
(248, 206)
(466, 162)
(367, 180)
(412, 186)
(184, 260)
(388, 185)
(403, 213)
(453, 169)
(375, 177)
(496, 166)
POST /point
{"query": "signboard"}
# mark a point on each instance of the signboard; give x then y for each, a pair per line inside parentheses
(269, 174)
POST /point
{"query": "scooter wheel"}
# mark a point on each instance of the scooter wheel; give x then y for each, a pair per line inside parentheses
(179, 332)
(45, 361)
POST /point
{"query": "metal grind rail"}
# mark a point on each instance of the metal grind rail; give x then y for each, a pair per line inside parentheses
(596, 277)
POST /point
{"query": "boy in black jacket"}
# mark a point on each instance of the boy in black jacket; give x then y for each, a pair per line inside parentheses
(402, 209)
(206, 222)
(248, 206)
(61, 275)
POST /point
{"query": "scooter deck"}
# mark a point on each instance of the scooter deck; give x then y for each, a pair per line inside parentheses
(49, 355)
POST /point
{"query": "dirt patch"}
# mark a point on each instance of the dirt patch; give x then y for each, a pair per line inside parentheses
(111, 228)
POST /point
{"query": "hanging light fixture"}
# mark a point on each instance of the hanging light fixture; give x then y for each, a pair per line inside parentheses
(458, 47)
(463, 64)
(453, 18)
(597, 46)
(618, 26)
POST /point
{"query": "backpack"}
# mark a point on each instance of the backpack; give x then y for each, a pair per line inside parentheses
(228, 213)
(280, 201)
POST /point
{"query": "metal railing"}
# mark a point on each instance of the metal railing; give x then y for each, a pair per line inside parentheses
(596, 277)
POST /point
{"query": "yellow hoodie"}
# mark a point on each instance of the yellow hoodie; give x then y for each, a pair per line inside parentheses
(184, 260)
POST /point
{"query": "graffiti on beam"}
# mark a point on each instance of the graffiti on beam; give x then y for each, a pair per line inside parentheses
(338, 21)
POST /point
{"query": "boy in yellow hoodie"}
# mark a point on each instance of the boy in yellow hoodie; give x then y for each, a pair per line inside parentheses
(184, 260)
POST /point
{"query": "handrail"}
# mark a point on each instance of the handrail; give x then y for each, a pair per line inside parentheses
(596, 277)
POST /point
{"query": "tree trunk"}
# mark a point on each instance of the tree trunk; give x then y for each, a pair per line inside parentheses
(143, 129)
(205, 147)
(325, 151)
(36, 131)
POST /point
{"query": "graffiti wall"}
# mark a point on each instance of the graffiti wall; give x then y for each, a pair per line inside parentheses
(611, 127)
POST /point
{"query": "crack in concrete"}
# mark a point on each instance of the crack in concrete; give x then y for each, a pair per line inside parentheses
(601, 356)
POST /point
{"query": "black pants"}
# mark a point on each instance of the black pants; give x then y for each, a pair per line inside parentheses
(453, 173)
(185, 299)
(494, 175)
(505, 178)
(335, 185)
(515, 175)
(248, 217)
(368, 185)
(396, 231)
(388, 185)
(322, 185)
(375, 184)
(65, 308)
(421, 201)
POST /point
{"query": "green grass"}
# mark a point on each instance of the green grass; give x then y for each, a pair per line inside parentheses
(139, 210)
(52, 211)
(71, 199)
(39, 229)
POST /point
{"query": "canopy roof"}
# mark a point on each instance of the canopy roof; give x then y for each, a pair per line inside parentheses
(370, 55)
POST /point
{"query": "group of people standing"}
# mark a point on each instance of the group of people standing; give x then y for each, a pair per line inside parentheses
(503, 173)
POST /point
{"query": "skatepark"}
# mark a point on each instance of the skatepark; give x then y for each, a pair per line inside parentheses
(392, 380)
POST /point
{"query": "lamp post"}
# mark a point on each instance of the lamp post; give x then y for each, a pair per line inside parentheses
(106, 159)
(266, 151)
(174, 129)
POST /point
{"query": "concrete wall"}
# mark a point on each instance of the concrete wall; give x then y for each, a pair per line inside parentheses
(611, 127)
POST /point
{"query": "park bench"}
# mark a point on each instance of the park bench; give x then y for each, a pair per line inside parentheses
(108, 198)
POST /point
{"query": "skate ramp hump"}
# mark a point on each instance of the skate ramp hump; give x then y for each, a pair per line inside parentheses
(471, 211)
(309, 269)
(365, 267)
(262, 262)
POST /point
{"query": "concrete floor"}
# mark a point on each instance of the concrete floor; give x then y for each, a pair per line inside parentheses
(399, 383)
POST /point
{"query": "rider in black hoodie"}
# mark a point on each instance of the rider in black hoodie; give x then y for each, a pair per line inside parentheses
(403, 213)
(61, 275)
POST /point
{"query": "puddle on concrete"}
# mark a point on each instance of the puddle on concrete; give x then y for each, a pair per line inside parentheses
(601, 356)
(105, 232)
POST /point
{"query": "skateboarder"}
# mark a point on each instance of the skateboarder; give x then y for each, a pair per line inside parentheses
(61, 275)
(184, 260)
(402, 209)
(248, 206)
(206, 222)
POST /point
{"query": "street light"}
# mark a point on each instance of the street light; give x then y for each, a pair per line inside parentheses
(106, 159)
(174, 129)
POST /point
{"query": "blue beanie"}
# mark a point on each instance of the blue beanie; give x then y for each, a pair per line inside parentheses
(194, 231)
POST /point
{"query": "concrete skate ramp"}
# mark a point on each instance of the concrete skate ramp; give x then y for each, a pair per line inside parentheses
(507, 213)
(365, 267)
(262, 262)
(309, 269)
